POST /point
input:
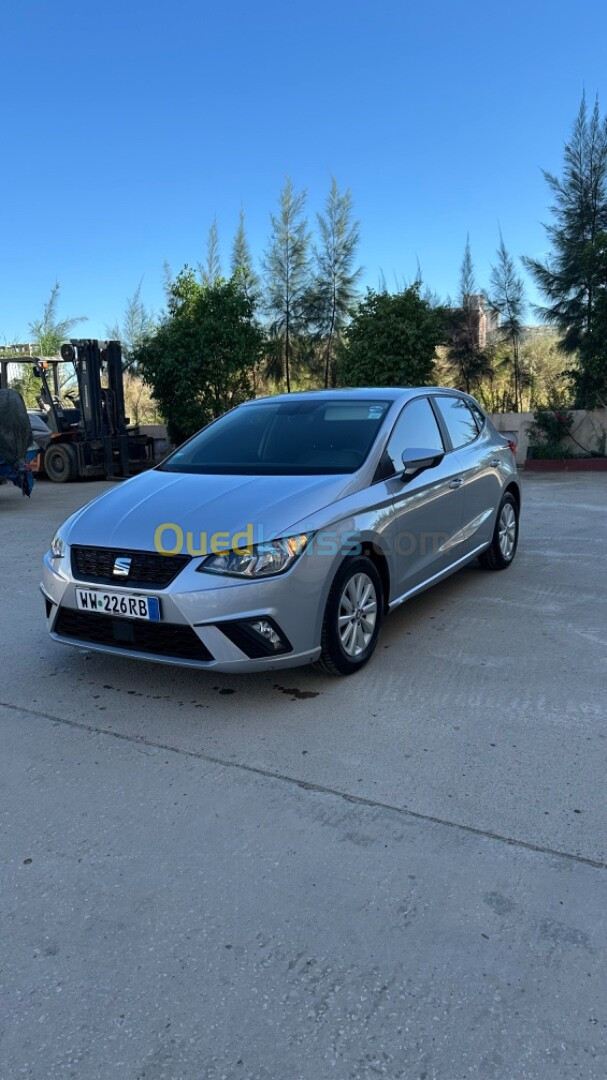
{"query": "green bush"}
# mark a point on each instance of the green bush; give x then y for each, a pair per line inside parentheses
(548, 432)
(391, 341)
(549, 450)
(199, 362)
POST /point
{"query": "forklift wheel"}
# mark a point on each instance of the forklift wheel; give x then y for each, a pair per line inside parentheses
(60, 463)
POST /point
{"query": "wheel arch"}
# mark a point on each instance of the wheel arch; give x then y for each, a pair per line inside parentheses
(514, 489)
(379, 560)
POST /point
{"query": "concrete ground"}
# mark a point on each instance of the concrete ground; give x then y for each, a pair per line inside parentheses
(287, 877)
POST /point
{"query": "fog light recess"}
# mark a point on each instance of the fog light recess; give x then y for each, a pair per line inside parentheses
(256, 637)
(267, 631)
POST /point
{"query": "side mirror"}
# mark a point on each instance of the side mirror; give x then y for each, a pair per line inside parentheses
(418, 459)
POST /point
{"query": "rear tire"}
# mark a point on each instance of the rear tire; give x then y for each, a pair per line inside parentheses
(505, 536)
(352, 619)
(60, 463)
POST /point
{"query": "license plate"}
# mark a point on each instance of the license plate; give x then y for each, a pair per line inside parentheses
(122, 604)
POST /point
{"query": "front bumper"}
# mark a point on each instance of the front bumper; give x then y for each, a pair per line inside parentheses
(195, 606)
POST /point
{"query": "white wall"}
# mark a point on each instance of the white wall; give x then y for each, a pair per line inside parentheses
(587, 427)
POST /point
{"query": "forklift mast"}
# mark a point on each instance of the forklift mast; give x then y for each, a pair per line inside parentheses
(101, 407)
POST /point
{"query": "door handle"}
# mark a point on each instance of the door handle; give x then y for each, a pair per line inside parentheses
(456, 483)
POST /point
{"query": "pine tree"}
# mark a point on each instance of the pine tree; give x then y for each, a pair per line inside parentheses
(467, 281)
(210, 270)
(333, 291)
(286, 264)
(571, 276)
(167, 278)
(137, 323)
(508, 301)
(242, 263)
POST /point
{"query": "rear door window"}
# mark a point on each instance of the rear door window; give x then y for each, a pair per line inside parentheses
(478, 416)
(459, 420)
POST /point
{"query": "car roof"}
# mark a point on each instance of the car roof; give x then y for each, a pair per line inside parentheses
(362, 393)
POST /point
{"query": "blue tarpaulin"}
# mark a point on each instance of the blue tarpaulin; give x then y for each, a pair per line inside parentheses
(22, 477)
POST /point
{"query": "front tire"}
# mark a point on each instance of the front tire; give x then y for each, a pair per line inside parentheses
(352, 619)
(60, 463)
(505, 536)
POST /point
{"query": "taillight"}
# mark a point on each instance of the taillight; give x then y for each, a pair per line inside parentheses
(512, 445)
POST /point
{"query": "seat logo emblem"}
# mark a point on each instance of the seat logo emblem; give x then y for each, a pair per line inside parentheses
(122, 567)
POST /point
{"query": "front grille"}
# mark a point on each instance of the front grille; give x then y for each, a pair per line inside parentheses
(157, 638)
(148, 568)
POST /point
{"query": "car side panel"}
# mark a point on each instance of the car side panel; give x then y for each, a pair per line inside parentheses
(427, 517)
(485, 468)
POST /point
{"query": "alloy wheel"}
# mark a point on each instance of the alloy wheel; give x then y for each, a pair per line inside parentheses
(507, 531)
(357, 614)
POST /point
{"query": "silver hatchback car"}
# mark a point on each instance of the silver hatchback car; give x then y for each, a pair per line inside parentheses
(285, 531)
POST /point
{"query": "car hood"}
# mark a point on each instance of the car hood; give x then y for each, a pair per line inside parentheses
(128, 516)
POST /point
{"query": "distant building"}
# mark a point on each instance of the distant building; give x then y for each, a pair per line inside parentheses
(27, 349)
(12, 372)
(476, 325)
(485, 321)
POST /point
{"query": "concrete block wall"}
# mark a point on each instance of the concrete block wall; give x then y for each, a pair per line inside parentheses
(588, 428)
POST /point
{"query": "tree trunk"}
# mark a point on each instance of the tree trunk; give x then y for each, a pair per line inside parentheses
(330, 341)
(288, 354)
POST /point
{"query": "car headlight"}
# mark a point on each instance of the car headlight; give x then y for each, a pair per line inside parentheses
(58, 546)
(262, 560)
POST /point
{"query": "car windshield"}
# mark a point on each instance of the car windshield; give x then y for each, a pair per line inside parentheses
(284, 438)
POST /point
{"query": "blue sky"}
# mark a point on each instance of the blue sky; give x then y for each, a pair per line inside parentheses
(126, 127)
